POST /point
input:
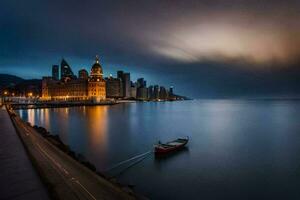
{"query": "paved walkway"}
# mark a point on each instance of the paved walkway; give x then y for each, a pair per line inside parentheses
(18, 178)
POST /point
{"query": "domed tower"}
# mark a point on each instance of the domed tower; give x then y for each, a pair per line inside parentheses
(96, 71)
(96, 83)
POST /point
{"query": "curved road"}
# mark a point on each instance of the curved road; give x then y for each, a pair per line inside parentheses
(66, 178)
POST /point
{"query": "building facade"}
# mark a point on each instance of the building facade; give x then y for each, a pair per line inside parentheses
(66, 71)
(125, 77)
(113, 87)
(70, 88)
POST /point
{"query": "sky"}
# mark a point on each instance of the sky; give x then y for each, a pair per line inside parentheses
(205, 49)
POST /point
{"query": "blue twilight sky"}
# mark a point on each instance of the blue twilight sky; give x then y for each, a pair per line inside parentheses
(209, 48)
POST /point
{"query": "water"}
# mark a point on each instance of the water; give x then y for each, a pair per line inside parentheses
(237, 149)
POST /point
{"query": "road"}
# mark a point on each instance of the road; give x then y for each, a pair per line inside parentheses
(18, 177)
(66, 178)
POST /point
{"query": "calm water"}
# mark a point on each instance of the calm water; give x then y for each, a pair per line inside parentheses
(237, 149)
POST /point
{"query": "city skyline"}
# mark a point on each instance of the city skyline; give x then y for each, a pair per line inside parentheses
(65, 86)
(208, 49)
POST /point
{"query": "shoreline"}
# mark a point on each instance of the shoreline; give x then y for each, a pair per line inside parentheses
(18, 106)
(53, 173)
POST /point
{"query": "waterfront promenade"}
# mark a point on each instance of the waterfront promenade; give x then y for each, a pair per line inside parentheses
(18, 178)
(65, 177)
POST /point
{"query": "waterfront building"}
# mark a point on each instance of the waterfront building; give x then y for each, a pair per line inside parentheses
(125, 77)
(83, 74)
(113, 87)
(55, 72)
(142, 93)
(156, 92)
(96, 83)
(72, 89)
(163, 94)
(150, 92)
(133, 90)
(171, 90)
(66, 70)
(141, 83)
(171, 95)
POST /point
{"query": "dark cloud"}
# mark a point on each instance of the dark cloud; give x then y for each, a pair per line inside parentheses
(204, 48)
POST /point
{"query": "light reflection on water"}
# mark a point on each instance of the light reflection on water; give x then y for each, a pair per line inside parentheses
(237, 148)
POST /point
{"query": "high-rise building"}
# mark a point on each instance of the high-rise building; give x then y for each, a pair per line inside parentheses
(127, 85)
(55, 72)
(156, 92)
(142, 93)
(150, 92)
(171, 95)
(141, 83)
(125, 77)
(113, 87)
(66, 71)
(83, 74)
(133, 90)
(171, 90)
(163, 93)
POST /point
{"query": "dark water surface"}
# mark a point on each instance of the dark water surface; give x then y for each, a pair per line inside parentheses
(237, 149)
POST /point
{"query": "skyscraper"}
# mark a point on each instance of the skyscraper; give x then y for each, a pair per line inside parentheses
(150, 92)
(125, 77)
(66, 71)
(141, 82)
(133, 90)
(163, 93)
(142, 93)
(55, 72)
(171, 95)
(156, 92)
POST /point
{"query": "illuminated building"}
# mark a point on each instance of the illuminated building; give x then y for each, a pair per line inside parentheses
(73, 89)
(96, 83)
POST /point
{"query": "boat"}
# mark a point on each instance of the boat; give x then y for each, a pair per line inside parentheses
(164, 148)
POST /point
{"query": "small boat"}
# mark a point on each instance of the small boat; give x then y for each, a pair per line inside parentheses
(168, 147)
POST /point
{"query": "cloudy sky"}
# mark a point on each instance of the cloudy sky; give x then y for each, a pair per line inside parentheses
(208, 48)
